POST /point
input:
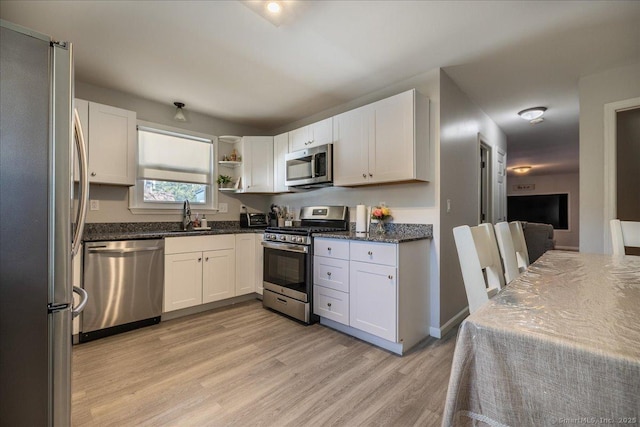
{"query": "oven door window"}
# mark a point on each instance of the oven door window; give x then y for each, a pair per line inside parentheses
(284, 268)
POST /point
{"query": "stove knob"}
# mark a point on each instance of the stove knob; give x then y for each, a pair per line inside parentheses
(283, 238)
(299, 239)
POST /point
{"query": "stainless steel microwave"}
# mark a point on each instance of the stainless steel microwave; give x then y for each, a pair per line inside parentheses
(311, 167)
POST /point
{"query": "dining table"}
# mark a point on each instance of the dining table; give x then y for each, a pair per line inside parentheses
(558, 345)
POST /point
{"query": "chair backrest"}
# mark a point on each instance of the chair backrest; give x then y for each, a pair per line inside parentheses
(519, 244)
(479, 262)
(507, 251)
(624, 233)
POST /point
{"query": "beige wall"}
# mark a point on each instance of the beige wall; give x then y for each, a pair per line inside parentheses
(460, 122)
(114, 200)
(596, 90)
(554, 184)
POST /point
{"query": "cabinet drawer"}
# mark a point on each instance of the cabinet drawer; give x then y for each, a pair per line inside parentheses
(331, 248)
(377, 253)
(331, 273)
(331, 304)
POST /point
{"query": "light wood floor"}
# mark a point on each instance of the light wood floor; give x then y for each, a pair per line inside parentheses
(247, 366)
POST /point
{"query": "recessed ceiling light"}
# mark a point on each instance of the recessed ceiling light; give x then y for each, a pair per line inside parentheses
(531, 114)
(274, 7)
(522, 169)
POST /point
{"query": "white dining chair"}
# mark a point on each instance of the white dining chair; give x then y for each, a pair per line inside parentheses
(520, 245)
(507, 251)
(624, 233)
(480, 263)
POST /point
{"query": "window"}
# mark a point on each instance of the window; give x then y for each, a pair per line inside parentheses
(172, 167)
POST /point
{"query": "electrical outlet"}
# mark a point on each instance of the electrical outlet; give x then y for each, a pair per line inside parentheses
(94, 205)
(223, 208)
(448, 205)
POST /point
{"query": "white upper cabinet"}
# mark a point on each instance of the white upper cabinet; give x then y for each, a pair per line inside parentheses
(387, 141)
(111, 143)
(312, 135)
(257, 164)
(280, 148)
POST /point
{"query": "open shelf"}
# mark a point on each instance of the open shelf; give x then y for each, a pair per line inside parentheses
(229, 163)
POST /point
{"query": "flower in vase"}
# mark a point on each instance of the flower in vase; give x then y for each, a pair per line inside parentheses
(381, 213)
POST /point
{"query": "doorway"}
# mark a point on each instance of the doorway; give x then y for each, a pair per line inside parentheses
(484, 208)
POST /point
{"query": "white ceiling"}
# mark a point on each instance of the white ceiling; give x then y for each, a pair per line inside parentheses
(223, 59)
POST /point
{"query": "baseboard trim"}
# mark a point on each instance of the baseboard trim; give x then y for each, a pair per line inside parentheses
(452, 323)
(209, 306)
(567, 248)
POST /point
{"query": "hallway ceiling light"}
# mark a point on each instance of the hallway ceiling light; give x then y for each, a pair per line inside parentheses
(179, 113)
(274, 7)
(521, 169)
(533, 115)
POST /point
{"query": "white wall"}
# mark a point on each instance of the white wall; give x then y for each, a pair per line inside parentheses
(114, 200)
(555, 184)
(460, 122)
(596, 90)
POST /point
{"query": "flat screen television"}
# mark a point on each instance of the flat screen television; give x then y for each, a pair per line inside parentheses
(545, 208)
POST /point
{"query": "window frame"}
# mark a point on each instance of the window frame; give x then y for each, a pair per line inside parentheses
(137, 205)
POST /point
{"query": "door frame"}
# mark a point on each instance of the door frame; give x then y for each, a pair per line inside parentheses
(483, 144)
(610, 166)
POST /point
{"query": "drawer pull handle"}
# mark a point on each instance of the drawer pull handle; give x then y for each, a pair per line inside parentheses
(390, 277)
(371, 174)
(328, 304)
(329, 273)
(199, 259)
(207, 259)
(364, 175)
(370, 253)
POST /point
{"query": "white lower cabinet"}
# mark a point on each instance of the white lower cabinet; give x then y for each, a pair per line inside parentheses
(331, 304)
(182, 280)
(373, 304)
(378, 292)
(218, 275)
(198, 269)
(245, 263)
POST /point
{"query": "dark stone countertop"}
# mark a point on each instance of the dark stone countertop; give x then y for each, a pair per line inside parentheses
(396, 233)
(95, 232)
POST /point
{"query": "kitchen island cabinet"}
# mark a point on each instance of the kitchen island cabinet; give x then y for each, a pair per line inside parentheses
(110, 136)
(385, 300)
(386, 141)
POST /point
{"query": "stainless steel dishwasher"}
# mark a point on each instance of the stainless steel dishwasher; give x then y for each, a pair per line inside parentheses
(125, 281)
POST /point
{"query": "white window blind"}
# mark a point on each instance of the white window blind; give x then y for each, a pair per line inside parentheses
(168, 156)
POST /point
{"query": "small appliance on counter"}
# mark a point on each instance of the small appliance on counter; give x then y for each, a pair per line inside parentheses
(253, 220)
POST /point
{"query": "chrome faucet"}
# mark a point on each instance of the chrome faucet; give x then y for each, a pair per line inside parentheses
(186, 216)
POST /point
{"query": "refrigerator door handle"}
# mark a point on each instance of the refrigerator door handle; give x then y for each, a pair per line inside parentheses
(84, 297)
(83, 198)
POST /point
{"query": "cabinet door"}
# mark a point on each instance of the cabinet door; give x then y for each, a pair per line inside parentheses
(182, 280)
(351, 147)
(299, 139)
(218, 275)
(321, 132)
(245, 263)
(112, 157)
(373, 299)
(280, 148)
(258, 169)
(391, 150)
(259, 263)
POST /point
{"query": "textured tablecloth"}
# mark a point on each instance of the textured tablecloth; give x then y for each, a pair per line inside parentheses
(559, 345)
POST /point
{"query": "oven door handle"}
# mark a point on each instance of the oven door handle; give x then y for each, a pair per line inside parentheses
(286, 247)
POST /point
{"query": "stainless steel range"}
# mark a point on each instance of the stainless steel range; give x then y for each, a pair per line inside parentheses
(288, 260)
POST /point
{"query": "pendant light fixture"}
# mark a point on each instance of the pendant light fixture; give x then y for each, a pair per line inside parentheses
(179, 113)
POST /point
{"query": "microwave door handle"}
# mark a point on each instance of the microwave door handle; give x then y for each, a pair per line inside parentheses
(313, 165)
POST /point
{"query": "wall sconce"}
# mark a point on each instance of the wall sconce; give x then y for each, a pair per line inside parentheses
(179, 113)
(522, 169)
(533, 115)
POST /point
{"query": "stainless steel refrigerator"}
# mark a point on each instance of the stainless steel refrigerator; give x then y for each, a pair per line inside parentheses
(38, 139)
